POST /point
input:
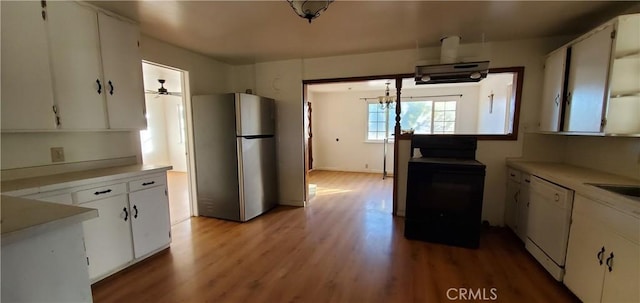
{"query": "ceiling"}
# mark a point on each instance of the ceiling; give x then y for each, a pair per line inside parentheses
(241, 32)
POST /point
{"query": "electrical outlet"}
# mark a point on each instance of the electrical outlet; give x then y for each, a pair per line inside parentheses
(57, 154)
(366, 165)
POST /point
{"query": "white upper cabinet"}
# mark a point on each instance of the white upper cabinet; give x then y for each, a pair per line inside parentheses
(27, 91)
(553, 90)
(66, 65)
(75, 59)
(601, 74)
(587, 86)
(624, 100)
(119, 44)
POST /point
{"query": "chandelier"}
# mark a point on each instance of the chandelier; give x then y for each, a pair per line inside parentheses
(386, 100)
(309, 9)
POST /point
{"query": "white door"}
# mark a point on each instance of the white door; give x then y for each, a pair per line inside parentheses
(584, 272)
(75, 58)
(588, 79)
(27, 90)
(108, 237)
(621, 283)
(553, 90)
(150, 222)
(119, 44)
(511, 205)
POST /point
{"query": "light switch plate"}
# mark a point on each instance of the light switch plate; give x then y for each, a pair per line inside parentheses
(57, 154)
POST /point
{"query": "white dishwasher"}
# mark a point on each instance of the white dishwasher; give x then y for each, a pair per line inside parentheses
(548, 227)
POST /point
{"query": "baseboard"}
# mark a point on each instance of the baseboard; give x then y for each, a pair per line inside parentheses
(53, 169)
(292, 203)
(368, 171)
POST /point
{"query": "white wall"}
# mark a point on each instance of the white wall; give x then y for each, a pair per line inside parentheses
(493, 120)
(21, 150)
(282, 80)
(206, 75)
(615, 155)
(343, 116)
(176, 147)
(153, 140)
(160, 142)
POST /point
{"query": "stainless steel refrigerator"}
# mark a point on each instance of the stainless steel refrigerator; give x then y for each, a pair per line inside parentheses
(235, 157)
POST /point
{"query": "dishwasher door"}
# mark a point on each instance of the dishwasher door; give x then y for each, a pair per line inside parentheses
(549, 218)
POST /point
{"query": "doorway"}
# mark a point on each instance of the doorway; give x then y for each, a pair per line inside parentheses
(348, 140)
(164, 142)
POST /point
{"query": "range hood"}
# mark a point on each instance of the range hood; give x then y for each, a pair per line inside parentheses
(452, 73)
(451, 70)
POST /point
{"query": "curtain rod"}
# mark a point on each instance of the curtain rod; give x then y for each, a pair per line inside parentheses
(416, 97)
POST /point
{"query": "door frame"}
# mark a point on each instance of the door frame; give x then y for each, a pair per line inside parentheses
(186, 97)
(398, 85)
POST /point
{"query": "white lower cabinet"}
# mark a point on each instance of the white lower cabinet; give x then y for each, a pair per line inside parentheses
(108, 237)
(150, 224)
(133, 219)
(517, 202)
(603, 255)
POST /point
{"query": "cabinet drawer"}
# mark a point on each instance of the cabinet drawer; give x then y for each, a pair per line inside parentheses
(101, 192)
(148, 182)
(514, 175)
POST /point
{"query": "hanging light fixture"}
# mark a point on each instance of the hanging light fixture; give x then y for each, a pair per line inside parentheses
(309, 9)
(386, 100)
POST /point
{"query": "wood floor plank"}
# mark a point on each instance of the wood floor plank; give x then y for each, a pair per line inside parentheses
(344, 247)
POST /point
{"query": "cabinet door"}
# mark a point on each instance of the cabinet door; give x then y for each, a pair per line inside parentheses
(75, 59)
(553, 90)
(108, 237)
(511, 205)
(621, 283)
(523, 207)
(27, 91)
(151, 225)
(583, 272)
(122, 73)
(588, 78)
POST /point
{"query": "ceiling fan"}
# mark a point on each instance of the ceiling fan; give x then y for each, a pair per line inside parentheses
(162, 91)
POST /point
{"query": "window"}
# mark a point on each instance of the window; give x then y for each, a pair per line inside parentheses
(424, 117)
(444, 117)
(377, 121)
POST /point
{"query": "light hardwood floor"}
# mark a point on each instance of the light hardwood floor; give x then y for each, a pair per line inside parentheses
(344, 247)
(178, 187)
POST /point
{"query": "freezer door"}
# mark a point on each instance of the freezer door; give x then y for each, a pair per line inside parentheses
(254, 115)
(258, 179)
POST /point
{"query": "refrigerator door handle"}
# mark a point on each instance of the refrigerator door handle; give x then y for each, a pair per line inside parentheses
(257, 137)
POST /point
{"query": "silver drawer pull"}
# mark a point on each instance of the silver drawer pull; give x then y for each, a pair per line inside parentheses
(102, 192)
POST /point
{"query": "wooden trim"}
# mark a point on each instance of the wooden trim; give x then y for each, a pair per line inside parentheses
(356, 79)
(396, 147)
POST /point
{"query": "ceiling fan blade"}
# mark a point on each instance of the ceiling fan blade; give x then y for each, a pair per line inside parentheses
(175, 94)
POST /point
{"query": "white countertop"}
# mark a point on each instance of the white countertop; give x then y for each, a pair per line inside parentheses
(22, 218)
(576, 178)
(53, 182)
